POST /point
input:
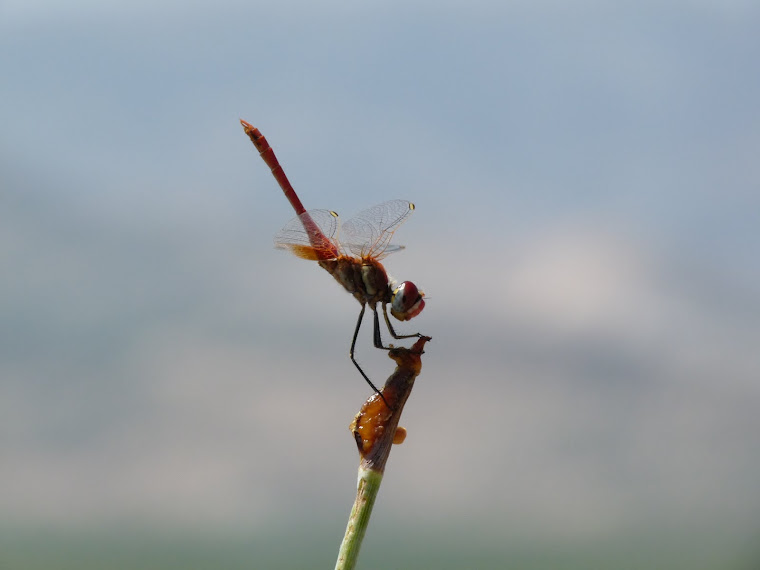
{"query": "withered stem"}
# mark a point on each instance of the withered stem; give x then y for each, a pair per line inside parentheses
(374, 428)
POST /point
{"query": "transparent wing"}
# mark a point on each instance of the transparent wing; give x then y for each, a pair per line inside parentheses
(355, 247)
(368, 233)
(312, 235)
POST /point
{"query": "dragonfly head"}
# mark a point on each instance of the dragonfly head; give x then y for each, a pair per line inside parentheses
(407, 301)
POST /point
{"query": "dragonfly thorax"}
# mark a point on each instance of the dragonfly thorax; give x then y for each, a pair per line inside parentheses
(365, 279)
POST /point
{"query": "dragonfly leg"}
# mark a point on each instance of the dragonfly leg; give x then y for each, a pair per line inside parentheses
(378, 338)
(390, 327)
(351, 354)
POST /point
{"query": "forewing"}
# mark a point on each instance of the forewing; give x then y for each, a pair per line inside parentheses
(312, 235)
(368, 233)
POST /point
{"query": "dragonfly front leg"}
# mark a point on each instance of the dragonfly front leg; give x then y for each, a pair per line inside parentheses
(353, 346)
(390, 327)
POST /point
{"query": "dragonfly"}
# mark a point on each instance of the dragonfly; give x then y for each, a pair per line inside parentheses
(351, 252)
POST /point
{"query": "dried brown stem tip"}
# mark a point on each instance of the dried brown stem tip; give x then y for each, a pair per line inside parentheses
(376, 424)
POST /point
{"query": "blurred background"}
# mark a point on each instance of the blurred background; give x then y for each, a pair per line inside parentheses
(175, 393)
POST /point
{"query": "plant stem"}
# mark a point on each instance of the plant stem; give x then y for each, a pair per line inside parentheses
(366, 492)
(375, 429)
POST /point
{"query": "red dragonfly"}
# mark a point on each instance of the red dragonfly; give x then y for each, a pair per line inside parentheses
(351, 253)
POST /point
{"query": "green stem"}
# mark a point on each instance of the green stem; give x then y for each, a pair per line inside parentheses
(366, 493)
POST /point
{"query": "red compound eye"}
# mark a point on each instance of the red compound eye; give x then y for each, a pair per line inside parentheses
(407, 301)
